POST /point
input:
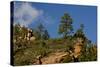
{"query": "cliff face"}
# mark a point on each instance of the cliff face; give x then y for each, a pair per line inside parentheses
(50, 51)
(22, 33)
(78, 47)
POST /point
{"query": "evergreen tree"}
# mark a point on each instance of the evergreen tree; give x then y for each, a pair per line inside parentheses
(41, 32)
(65, 27)
(80, 32)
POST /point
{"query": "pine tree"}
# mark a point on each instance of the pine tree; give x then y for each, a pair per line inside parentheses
(65, 27)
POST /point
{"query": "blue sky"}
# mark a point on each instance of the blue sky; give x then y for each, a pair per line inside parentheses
(50, 16)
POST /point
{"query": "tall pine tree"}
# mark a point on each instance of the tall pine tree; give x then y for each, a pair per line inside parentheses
(65, 27)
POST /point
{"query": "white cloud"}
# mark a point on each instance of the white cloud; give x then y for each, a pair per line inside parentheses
(25, 13)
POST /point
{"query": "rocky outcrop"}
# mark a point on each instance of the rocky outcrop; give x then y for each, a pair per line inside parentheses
(52, 58)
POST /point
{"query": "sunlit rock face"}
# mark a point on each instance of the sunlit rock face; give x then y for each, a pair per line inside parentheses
(25, 34)
(78, 47)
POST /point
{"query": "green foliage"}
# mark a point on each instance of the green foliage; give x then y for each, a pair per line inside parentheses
(89, 52)
(45, 35)
(37, 34)
(19, 31)
(28, 51)
(16, 29)
(80, 32)
(65, 26)
(41, 32)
